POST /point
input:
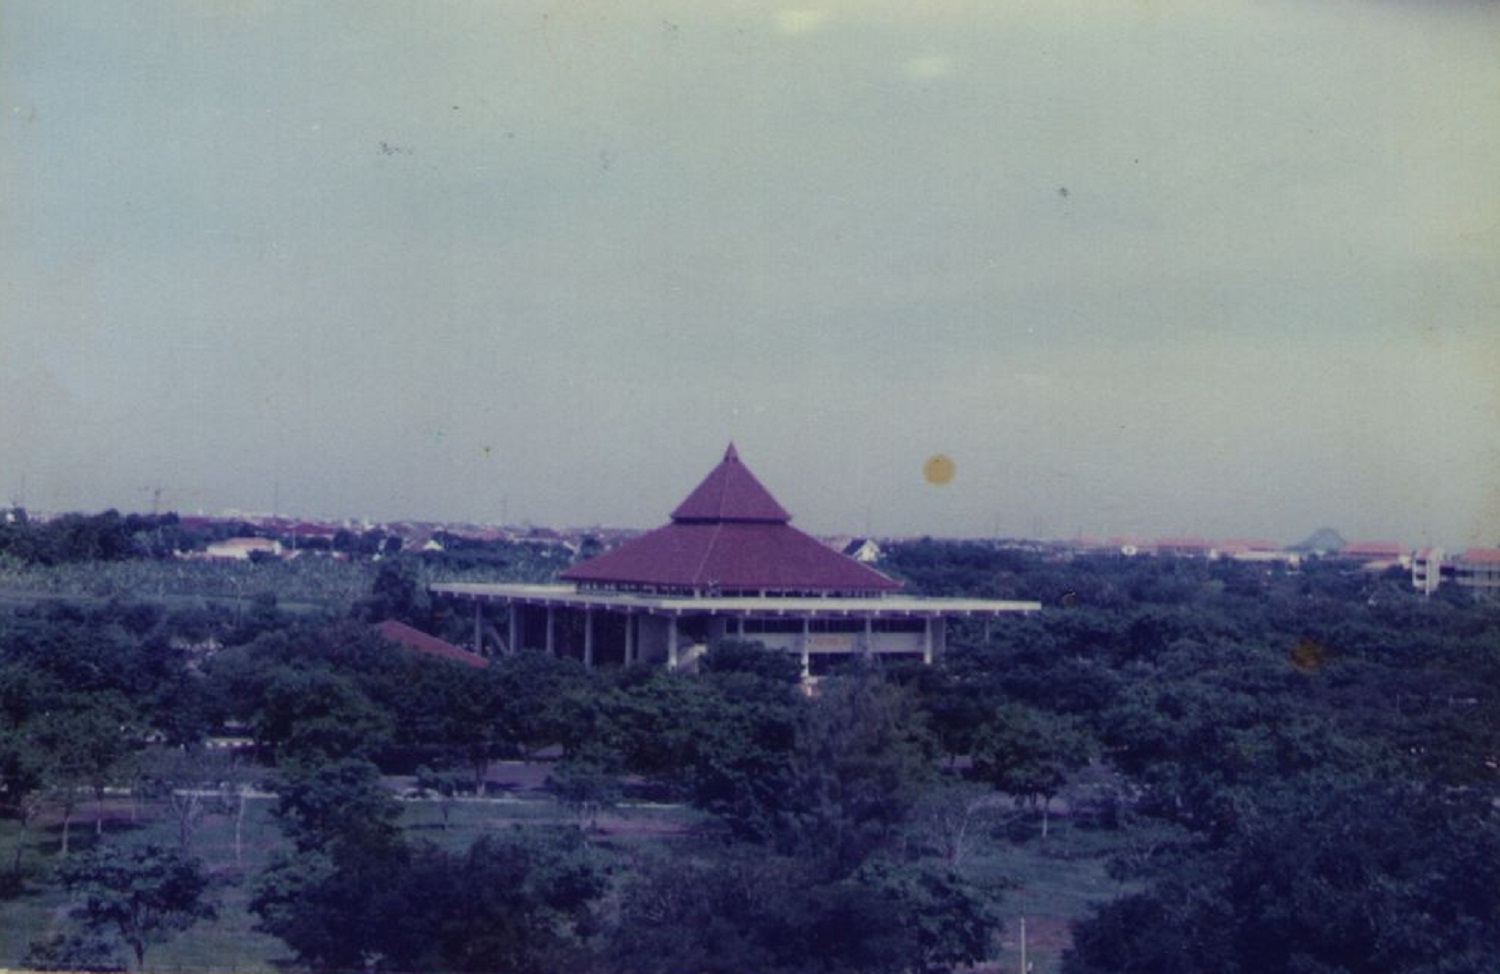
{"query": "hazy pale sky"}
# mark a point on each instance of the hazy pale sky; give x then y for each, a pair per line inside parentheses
(1140, 266)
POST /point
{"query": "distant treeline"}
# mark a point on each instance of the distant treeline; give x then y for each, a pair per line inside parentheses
(110, 536)
(77, 538)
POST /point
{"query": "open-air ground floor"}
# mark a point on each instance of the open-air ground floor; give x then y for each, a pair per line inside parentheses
(607, 628)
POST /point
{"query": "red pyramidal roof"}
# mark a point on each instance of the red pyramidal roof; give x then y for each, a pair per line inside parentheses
(730, 493)
(729, 536)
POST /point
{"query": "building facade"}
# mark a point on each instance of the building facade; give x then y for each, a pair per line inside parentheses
(1477, 570)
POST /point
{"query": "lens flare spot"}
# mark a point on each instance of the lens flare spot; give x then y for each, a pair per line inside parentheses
(939, 469)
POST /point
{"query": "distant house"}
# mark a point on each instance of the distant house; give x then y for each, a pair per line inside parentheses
(863, 550)
(1374, 555)
(1477, 571)
(1257, 550)
(241, 549)
(1088, 544)
(1186, 547)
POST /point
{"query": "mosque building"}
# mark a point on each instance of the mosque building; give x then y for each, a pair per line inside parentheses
(729, 565)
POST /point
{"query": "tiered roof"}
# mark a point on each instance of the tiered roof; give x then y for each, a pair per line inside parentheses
(729, 536)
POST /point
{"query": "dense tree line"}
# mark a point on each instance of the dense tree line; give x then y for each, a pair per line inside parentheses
(109, 536)
(1294, 769)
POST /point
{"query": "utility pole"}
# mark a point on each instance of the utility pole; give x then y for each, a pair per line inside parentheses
(1025, 967)
(158, 490)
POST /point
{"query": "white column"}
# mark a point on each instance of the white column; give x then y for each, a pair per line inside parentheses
(512, 628)
(588, 638)
(927, 640)
(629, 639)
(671, 642)
(806, 656)
(551, 628)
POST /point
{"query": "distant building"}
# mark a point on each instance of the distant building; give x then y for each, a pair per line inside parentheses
(241, 549)
(1427, 570)
(728, 565)
(1477, 571)
(863, 550)
(1374, 554)
(1186, 547)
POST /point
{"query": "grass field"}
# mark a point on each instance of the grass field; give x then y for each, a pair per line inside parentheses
(1048, 882)
(33, 912)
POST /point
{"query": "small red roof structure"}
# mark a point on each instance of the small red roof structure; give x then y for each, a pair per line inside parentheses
(421, 642)
(729, 536)
(1480, 555)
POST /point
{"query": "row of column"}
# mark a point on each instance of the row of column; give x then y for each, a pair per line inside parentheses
(632, 636)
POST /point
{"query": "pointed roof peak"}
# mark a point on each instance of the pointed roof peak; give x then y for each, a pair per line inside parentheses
(730, 492)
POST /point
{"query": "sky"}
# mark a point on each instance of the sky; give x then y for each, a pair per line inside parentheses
(1144, 267)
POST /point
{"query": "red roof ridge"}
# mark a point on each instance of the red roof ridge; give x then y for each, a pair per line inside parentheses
(417, 640)
(708, 550)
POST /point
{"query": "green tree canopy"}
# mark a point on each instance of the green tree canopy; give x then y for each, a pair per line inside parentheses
(142, 895)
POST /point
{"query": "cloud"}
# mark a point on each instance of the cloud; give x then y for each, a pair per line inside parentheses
(797, 21)
(928, 67)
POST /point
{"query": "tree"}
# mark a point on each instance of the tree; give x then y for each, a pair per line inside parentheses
(73, 951)
(336, 908)
(1029, 753)
(735, 910)
(23, 779)
(479, 723)
(84, 744)
(317, 715)
(447, 783)
(509, 904)
(584, 783)
(946, 815)
(397, 593)
(742, 751)
(1317, 876)
(335, 896)
(143, 895)
(896, 918)
(341, 802)
(860, 761)
(191, 782)
(739, 656)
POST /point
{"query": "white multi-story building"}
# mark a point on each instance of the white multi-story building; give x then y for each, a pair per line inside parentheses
(1427, 570)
